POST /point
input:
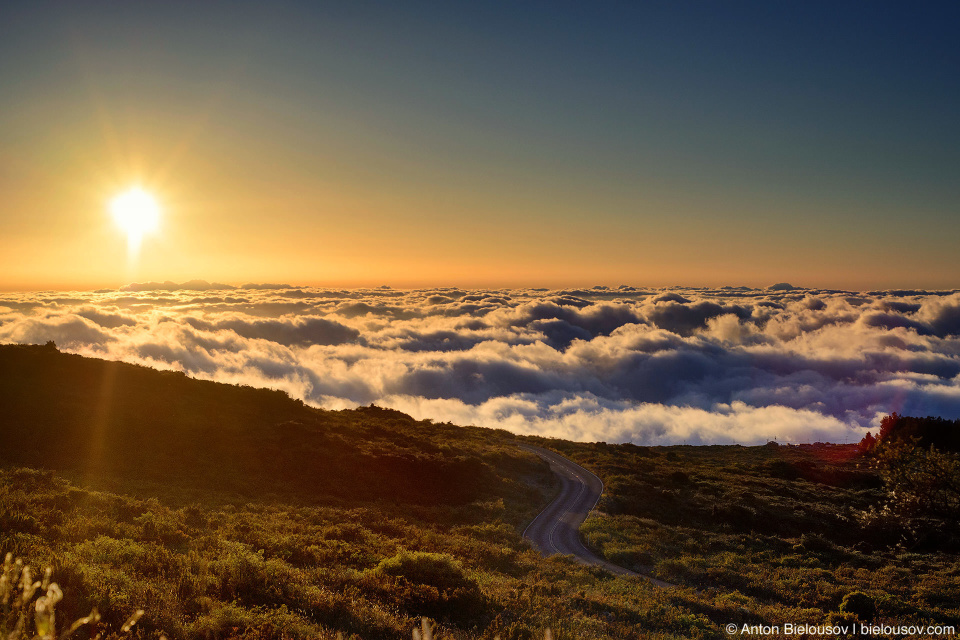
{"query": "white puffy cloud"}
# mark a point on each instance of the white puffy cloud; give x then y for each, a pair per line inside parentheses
(647, 366)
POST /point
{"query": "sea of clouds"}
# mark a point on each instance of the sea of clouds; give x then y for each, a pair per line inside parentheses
(649, 366)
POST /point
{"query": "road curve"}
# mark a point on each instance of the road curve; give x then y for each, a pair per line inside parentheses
(556, 528)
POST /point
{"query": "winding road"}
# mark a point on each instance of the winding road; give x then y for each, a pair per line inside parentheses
(556, 528)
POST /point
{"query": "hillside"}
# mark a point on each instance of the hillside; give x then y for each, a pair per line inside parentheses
(109, 421)
(232, 512)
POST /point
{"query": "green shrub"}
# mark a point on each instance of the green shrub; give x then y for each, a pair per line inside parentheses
(843, 620)
(438, 570)
(433, 584)
(260, 623)
(859, 604)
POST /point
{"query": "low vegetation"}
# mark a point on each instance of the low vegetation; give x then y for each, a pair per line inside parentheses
(230, 512)
(785, 533)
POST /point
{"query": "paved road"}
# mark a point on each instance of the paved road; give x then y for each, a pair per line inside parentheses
(556, 528)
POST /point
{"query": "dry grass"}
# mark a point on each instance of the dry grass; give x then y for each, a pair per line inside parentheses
(29, 604)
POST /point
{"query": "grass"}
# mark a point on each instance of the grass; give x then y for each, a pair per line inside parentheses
(767, 535)
(28, 607)
(272, 570)
(230, 512)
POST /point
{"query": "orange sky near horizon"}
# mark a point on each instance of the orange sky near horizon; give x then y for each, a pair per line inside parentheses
(254, 221)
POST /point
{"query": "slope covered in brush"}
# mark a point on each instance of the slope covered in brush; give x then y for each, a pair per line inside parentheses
(230, 512)
(111, 420)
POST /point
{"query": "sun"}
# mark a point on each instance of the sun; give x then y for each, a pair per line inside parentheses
(137, 213)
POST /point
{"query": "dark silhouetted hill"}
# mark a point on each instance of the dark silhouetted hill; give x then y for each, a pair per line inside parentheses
(105, 419)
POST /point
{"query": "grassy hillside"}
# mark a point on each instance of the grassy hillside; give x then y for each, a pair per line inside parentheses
(230, 512)
(787, 532)
(226, 511)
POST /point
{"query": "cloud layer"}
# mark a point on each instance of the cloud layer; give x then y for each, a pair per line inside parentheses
(645, 366)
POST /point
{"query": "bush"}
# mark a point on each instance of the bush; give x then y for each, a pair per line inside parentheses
(432, 584)
(438, 570)
(859, 604)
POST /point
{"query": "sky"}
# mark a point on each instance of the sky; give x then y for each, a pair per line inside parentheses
(483, 145)
(648, 366)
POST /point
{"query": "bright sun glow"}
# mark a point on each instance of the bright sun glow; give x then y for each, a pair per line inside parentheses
(137, 213)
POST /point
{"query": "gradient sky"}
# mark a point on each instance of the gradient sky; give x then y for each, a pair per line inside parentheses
(468, 144)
